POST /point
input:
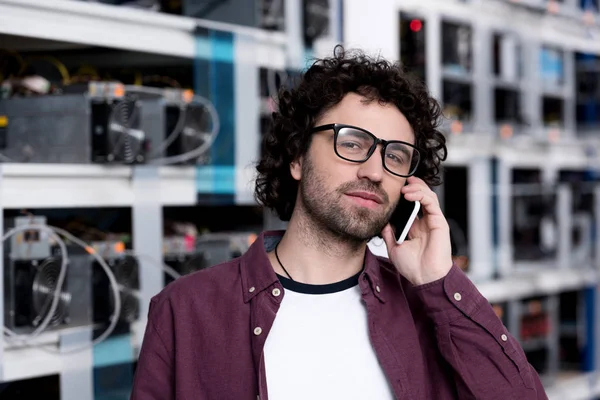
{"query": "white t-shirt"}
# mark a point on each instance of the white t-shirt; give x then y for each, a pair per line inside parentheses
(319, 347)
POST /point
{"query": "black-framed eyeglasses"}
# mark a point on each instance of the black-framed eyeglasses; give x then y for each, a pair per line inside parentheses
(358, 145)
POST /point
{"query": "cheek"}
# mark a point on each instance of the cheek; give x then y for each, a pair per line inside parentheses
(393, 189)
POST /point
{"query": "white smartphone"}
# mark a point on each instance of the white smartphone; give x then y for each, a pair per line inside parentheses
(401, 221)
(403, 217)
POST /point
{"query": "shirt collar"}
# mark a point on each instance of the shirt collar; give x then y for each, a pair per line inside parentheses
(257, 273)
(255, 267)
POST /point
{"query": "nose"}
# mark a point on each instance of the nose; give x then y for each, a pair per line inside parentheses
(372, 169)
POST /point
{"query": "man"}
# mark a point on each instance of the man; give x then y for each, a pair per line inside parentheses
(311, 313)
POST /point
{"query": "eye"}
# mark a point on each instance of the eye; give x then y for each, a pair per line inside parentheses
(395, 158)
(350, 145)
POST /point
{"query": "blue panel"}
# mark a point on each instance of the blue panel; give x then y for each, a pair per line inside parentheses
(203, 48)
(309, 58)
(551, 65)
(216, 179)
(214, 78)
(589, 5)
(202, 64)
(112, 351)
(222, 47)
(222, 91)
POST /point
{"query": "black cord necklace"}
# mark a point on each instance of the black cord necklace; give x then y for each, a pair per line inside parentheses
(279, 261)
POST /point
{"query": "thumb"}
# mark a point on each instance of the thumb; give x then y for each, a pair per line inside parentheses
(388, 236)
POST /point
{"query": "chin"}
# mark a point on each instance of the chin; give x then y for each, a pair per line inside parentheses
(362, 232)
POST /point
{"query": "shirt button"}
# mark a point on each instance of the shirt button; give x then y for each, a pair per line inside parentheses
(252, 289)
(378, 289)
(276, 292)
(504, 337)
(457, 296)
(257, 330)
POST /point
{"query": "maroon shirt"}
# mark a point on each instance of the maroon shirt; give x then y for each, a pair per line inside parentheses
(206, 333)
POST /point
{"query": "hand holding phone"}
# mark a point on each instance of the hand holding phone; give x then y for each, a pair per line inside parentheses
(428, 257)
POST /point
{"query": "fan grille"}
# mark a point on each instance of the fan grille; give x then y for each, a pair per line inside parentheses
(126, 140)
(197, 130)
(126, 271)
(44, 286)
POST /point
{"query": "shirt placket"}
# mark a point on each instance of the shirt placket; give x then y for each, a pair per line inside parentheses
(384, 352)
(264, 308)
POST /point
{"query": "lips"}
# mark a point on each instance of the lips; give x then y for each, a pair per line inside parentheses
(367, 196)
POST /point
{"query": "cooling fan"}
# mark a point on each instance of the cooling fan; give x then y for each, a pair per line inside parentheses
(43, 288)
(126, 270)
(127, 141)
(197, 132)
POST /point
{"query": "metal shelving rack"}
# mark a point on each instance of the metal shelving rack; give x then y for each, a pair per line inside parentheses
(491, 149)
(148, 189)
(143, 35)
(145, 189)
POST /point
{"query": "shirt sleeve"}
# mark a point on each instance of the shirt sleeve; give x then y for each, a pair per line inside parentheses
(488, 362)
(154, 375)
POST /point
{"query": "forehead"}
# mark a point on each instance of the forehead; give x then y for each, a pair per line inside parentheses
(383, 120)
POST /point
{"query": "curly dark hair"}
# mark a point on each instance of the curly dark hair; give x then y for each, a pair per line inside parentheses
(320, 88)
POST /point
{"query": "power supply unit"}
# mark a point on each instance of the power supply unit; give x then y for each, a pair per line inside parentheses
(126, 271)
(182, 126)
(31, 269)
(96, 123)
(188, 254)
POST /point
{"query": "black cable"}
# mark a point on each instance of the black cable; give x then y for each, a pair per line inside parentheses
(279, 261)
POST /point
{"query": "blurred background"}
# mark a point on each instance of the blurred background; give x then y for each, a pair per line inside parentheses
(129, 128)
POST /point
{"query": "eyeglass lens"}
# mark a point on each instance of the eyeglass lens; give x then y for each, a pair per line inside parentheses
(354, 145)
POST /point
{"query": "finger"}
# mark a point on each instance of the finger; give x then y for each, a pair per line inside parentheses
(412, 180)
(428, 200)
(388, 237)
(415, 187)
(424, 189)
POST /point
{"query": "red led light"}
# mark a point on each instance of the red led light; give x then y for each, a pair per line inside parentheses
(416, 25)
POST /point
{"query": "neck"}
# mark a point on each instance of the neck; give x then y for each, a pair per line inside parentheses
(311, 254)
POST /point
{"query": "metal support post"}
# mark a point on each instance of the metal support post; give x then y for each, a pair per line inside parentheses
(293, 28)
(565, 222)
(247, 116)
(480, 220)
(382, 38)
(482, 89)
(433, 51)
(335, 20)
(147, 237)
(532, 87)
(569, 101)
(77, 375)
(513, 322)
(503, 191)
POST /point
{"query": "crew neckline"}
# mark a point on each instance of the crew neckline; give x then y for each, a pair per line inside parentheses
(328, 288)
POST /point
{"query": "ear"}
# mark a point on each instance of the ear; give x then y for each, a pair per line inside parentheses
(296, 169)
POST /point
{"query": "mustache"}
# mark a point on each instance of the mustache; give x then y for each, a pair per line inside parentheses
(366, 186)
